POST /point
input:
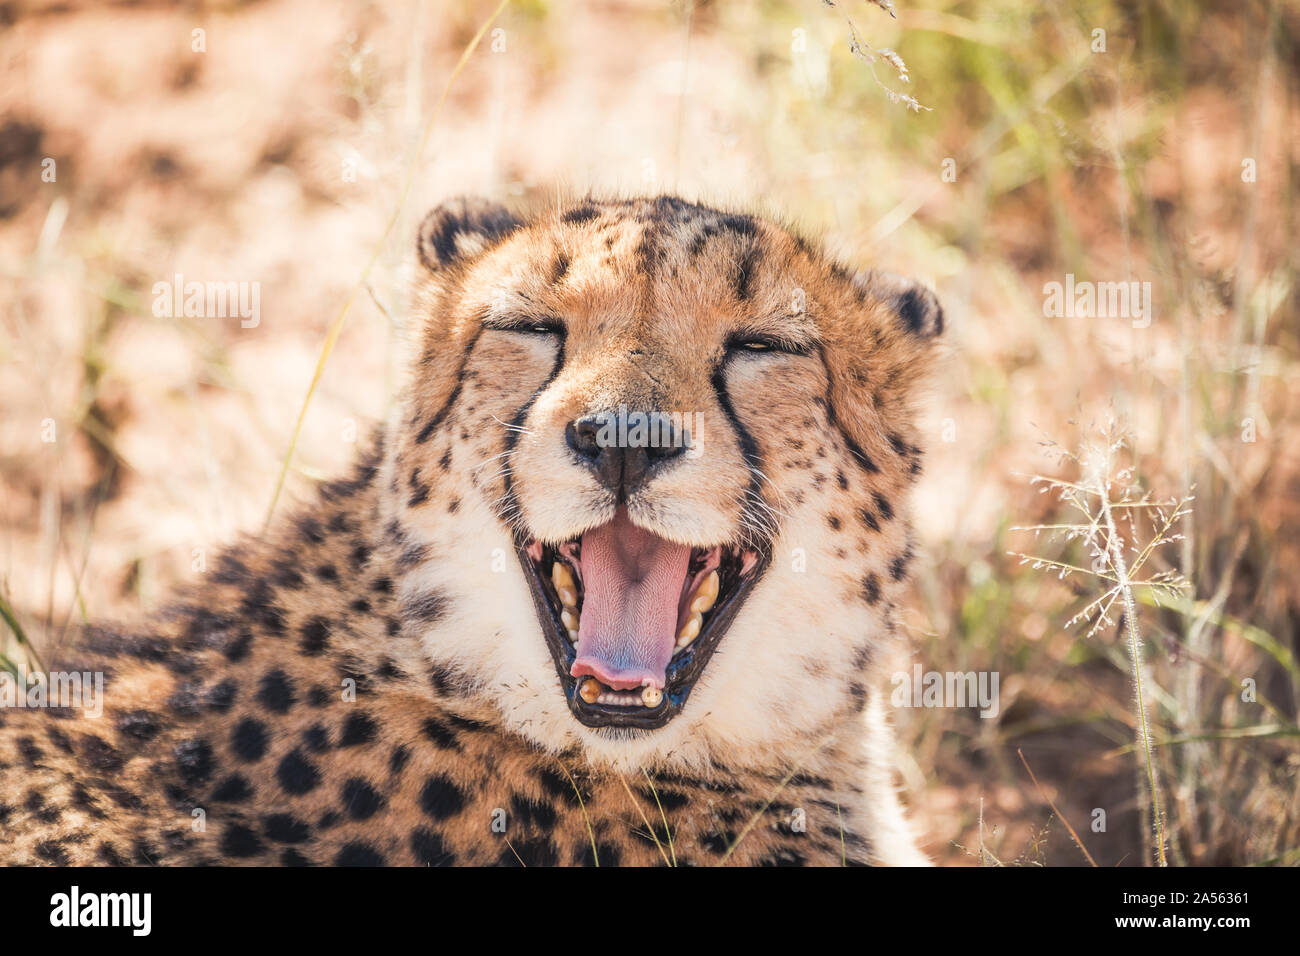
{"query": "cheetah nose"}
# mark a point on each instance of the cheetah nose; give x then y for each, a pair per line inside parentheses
(624, 448)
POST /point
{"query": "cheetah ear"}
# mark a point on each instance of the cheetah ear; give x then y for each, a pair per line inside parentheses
(460, 229)
(915, 306)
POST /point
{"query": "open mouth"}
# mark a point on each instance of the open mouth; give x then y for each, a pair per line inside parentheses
(632, 619)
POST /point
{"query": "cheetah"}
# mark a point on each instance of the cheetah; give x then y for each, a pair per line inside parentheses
(615, 585)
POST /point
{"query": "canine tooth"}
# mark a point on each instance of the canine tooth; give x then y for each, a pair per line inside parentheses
(573, 635)
(651, 696)
(690, 630)
(589, 690)
(705, 594)
(562, 578)
(570, 619)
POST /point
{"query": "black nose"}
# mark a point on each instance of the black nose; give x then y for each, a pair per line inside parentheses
(624, 448)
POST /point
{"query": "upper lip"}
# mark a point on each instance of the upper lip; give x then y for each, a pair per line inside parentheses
(683, 670)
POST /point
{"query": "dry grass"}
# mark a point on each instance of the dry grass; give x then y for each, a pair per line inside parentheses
(1109, 166)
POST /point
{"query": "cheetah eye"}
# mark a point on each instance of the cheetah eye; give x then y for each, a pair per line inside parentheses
(527, 326)
(763, 343)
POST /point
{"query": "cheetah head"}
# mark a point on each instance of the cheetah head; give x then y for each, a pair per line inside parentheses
(671, 446)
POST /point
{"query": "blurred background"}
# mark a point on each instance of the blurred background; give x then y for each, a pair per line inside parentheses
(989, 148)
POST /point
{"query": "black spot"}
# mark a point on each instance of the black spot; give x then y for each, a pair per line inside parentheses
(194, 760)
(871, 589)
(441, 735)
(318, 697)
(100, 755)
(358, 853)
(741, 225)
(275, 692)
(868, 519)
(248, 740)
(360, 800)
(239, 841)
(141, 725)
(185, 700)
(898, 567)
(398, 760)
(559, 268)
(30, 752)
(429, 850)
(291, 857)
(109, 855)
(558, 786)
(833, 521)
(883, 506)
(285, 575)
(52, 852)
(538, 852)
(783, 857)
(315, 634)
(234, 789)
(441, 798)
(237, 649)
(327, 572)
(716, 843)
(607, 854)
(316, 739)
(427, 608)
(668, 799)
(528, 812)
(297, 775)
(221, 696)
(286, 828)
(82, 800)
(359, 728)
(580, 214)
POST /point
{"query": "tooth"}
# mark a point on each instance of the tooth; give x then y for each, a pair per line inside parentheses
(705, 594)
(651, 696)
(573, 635)
(570, 619)
(562, 578)
(589, 690)
(690, 630)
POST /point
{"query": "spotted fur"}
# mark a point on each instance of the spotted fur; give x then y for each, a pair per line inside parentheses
(368, 684)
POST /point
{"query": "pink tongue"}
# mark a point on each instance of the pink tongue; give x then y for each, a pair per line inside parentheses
(632, 584)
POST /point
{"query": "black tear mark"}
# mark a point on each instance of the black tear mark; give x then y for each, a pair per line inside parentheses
(437, 419)
(509, 503)
(748, 447)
